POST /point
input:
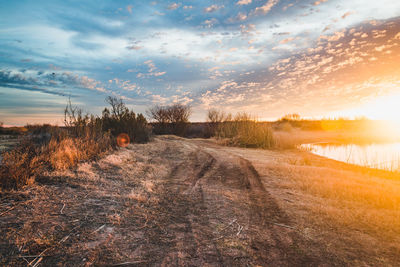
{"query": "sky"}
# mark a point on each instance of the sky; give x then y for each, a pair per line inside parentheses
(267, 57)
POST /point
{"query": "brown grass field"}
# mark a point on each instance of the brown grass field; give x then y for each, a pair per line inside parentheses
(193, 202)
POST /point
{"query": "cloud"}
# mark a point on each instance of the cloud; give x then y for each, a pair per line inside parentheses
(247, 29)
(266, 7)
(210, 22)
(287, 40)
(316, 3)
(241, 16)
(159, 73)
(345, 15)
(243, 2)
(151, 65)
(213, 8)
(49, 82)
(173, 6)
(134, 47)
(129, 8)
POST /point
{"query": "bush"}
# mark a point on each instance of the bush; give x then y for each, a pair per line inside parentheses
(122, 120)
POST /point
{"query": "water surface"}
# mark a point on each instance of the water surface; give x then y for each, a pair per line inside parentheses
(380, 156)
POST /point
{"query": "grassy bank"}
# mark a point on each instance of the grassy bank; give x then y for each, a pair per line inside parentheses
(353, 211)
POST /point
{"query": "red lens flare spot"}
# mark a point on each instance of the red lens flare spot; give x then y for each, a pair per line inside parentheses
(123, 140)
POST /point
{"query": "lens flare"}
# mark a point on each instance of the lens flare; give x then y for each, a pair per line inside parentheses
(123, 140)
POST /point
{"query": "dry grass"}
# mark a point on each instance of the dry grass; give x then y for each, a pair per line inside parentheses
(337, 203)
(352, 198)
(243, 130)
(21, 165)
(138, 195)
(68, 152)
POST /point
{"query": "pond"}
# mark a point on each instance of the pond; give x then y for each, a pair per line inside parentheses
(379, 156)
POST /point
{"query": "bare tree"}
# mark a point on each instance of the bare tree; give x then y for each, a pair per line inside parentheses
(179, 113)
(176, 113)
(291, 117)
(118, 108)
(215, 116)
(159, 114)
(74, 119)
(170, 119)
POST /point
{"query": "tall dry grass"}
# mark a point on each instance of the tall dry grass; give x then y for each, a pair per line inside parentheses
(21, 165)
(68, 152)
(55, 150)
(240, 130)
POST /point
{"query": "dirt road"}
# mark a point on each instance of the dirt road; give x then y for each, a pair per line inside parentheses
(172, 202)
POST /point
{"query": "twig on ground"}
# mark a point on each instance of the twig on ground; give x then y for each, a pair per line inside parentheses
(232, 222)
(283, 225)
(30, 256)
(240, 228)
(39, 257)
(61, 211)
(38, 261)
(7, 211)
(128, 263)
(25, 260)
(98, 229)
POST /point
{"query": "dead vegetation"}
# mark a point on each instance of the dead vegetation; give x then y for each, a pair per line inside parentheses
(239, 130)
(84, 137)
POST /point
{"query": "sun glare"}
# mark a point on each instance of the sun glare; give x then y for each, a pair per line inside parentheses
(384, 108)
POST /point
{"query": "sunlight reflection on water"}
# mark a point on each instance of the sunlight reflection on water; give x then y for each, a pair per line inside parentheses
(380, 156)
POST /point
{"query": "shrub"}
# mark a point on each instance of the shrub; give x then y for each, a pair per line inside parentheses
(122, 120)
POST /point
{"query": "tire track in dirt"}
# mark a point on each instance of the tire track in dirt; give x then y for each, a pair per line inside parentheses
(188, 236)
(273, 241)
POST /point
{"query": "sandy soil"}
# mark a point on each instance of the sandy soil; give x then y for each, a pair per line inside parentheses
(174, 202)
